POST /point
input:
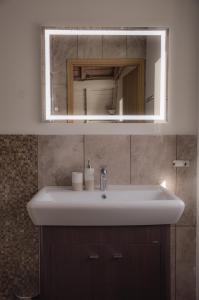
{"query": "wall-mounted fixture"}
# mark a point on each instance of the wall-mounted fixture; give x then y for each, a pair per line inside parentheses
(104, 74)
(181, 163)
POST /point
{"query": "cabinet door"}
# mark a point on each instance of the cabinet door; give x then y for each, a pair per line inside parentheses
(75, 273)
(143, 273)
(133, 272)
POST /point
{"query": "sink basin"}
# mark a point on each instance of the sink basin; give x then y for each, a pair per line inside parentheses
(119, 205)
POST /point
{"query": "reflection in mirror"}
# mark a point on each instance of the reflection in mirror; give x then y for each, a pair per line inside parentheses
(105, 86)
(114, 77)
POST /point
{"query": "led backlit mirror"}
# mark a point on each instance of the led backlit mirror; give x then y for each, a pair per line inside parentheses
(104, 75)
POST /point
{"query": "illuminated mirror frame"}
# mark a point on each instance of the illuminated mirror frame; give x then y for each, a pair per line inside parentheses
(48, 32)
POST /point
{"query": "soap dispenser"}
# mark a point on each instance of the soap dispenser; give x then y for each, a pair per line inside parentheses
(89, 177)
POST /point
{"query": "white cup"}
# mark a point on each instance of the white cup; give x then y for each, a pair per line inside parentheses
(77, 181)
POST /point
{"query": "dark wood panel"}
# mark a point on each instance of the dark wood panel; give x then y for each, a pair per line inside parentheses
(134, 234)
(109, 263)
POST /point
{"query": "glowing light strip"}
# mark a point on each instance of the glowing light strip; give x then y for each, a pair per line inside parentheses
(47, 76)
(102, 32)
(104, 117)
(163, 77)
(161, 33)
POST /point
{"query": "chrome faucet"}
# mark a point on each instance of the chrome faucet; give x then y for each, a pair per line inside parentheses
(103, 179)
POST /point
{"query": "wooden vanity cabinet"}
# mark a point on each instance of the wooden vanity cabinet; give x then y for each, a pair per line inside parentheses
(105, 263)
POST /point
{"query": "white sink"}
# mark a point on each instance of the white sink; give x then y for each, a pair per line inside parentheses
(123, 205)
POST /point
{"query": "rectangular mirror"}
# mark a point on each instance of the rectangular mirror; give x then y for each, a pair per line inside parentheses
(104, 75)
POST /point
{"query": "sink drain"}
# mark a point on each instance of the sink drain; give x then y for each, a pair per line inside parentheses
(104, 196)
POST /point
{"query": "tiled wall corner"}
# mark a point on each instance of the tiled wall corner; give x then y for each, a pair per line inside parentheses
(58, 156)
(186, 177)
(185, 228)
(112, 152)
(19, 239)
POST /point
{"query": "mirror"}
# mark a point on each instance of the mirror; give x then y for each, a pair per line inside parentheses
(104, 75)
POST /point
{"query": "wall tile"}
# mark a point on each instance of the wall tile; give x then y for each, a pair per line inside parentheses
(151, 160)
(114, 47)
(185, 263)
(112, 152)
(19, 239)
(58, 156)
(186, 177)
(63, 48)
(90, 47)
(136, 47)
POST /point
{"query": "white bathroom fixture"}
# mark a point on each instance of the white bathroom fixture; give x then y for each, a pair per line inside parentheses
(181, 163)
(118, 206)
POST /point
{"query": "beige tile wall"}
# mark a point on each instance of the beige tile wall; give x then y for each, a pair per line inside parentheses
(185, 262)
(185, 229)
(186, 181)
(135, 160)
(58, 157)
(112, 152)
(152, 158)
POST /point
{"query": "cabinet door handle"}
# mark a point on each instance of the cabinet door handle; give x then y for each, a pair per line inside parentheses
(117, 256)
(93, 256)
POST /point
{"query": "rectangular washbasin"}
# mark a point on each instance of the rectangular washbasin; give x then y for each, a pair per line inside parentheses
(118, 206)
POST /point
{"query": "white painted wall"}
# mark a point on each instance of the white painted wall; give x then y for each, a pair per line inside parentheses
(20, 21)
